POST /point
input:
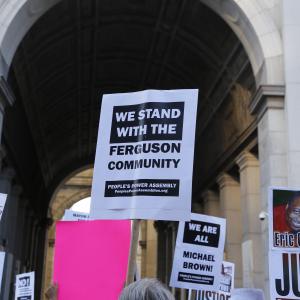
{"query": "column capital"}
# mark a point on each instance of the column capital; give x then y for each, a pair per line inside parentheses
(246, 159)
(208, 195)
(160, 225)
(266, 97)
(197, 207)
(225, 180)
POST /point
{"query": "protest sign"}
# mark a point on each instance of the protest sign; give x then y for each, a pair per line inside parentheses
(71, 215)
(144, 157)
(225, 288)
(2, 203)
(284, 270)
(284, 243)
(284, 219)
(90, 259)
(25, 286)
(199, 253)
(226, 285)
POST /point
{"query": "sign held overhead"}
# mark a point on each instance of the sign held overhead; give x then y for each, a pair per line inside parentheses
(199, 253)
(25, 286)
(144, 157)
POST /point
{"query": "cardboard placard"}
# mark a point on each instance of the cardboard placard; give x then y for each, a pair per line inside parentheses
(144, 157)
(284, 243)
(71, 215)
(284, 270)
(25, 286)
(199, 253)
(225, 288)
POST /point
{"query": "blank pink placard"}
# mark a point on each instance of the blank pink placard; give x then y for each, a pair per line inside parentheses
(90, 261)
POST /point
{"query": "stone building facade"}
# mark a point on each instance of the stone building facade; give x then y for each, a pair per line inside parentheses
(57, 57)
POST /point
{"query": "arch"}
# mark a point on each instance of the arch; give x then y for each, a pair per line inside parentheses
(17, 17)
(250, 21)
(59, 206)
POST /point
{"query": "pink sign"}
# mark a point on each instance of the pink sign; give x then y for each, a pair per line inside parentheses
(90, 259)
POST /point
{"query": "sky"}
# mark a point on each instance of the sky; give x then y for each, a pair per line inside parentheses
(82, 205)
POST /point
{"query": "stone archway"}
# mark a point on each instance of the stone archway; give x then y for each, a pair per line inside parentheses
(251, 21)
(56, 105)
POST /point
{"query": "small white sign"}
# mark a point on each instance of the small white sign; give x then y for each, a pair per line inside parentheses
(144, 157)
(227, 278)
(225, 288)
(199, 253)
(284, 273)
(71, 215)
(25, 286)
(2, 204)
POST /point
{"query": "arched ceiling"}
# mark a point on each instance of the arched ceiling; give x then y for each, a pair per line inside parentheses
(81, 49)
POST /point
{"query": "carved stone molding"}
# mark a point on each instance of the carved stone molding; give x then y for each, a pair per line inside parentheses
(225, 180)
(247, 159)
(209, 195)
(267, 97)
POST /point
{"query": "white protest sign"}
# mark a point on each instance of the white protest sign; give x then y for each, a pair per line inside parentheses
(284, 219)
(71, 215)
(284, 243)
(144, 157)
(2, 261)
(226, 285)
(25, 286)
(284, 270)
(199, 253)
(2, 203)
(225, 288)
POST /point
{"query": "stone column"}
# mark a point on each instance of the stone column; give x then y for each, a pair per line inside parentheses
(13, 213)
(268, 105)
(28, 234)
(230, 204)
(6, 98)
(252, 248)
(290, 32)
(211, 203)
(21, 223)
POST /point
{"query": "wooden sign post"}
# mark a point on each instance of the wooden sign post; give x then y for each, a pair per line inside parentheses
(133, 251)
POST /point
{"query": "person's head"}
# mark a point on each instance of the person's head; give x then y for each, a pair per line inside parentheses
(146, 289)
(293, 212)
